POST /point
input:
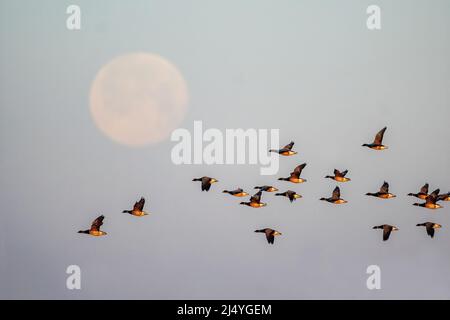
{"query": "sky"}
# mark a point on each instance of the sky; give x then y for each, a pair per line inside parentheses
(311, 69)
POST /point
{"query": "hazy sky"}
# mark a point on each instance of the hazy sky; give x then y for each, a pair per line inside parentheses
(310, 68)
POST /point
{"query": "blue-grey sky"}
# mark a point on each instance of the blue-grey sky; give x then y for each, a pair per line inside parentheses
(310, 68)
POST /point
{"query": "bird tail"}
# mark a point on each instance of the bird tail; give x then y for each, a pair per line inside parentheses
(378, 227)
(262, 230)
(126, 211)
(197, 179)
(420, 224)
(416, 204)
(279, 194)
(225, 191)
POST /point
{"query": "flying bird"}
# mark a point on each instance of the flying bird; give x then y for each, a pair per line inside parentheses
(430, 201)
(335, 197)
(206, 182)
(295, 175)
(267, 188)
(339, 176)
(383, 193)
(430, 226)
(255, 201)
(377, 142)
(386, 230)
(138, 209)
(286, 150)
(237, 192)
(292, 195)
(270, 234)
(422, 194)
(95, 228)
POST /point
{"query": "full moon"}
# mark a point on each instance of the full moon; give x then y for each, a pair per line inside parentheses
(138, 99)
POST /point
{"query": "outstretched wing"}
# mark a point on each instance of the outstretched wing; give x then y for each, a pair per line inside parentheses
(432, 197)
(379, 136)
(384, 188)
(269, 235)
(386, 232)
(256, 197)
(97, 223)
(139, 205)
(430, 230)
(289, 146)
(336, 193)
(424, 188)
(298, 170)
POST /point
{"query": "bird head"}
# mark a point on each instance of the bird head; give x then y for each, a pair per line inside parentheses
(214, 180)
(437, 226)
(395, 229)
(272, 189)
(276, 233)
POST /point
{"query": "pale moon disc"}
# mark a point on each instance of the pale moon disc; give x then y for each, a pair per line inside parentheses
(138, 99)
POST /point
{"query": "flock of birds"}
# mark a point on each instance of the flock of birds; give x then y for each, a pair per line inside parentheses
(430, 199)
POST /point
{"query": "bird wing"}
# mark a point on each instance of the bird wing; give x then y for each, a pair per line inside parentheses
(298, 170)
(386, 232)
(139, 205)
(344, 173)
(289, 146)
(336, 193)
(424, 188)
(379, 136)
(97, 223)
(269, 235)
(384, 188)
(430, 229)
(432, 197)
(256, 197)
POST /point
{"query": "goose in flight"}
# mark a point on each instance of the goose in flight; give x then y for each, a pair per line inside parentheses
(377, 142)
(387, 229)
(294, 176)
(95, 228)
(430, 226)
(270, 234)
(339, 176)
(286, 150)
(383, 193)
(206, 182)
(335, 197)
(138, 209)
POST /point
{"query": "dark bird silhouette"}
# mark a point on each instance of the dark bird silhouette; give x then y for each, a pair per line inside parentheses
(295, 175)
(206, 182)
(430, 201)
(267, 188)
(255, 201)
(377, 142)
(292, 195)
(422, 194)
(339, 176)
(237, 193)
(430, 226)
(138, 209)
(383, 193)
(335, 197)
(95, 228)
(270, 234)
(386, 230)
(286, 150)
